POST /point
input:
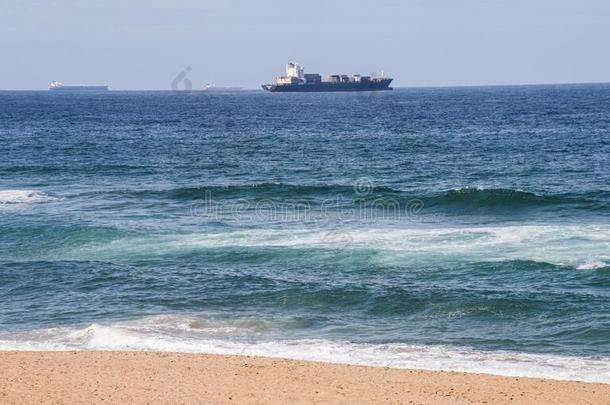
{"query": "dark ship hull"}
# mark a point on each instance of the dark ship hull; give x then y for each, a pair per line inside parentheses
(373, 85)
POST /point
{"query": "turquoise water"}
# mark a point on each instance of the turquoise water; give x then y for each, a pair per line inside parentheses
(458, 228)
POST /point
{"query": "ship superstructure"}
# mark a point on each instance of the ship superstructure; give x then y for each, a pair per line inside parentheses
(296, 80)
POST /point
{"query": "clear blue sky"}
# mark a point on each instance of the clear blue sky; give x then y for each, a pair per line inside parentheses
(144, 44)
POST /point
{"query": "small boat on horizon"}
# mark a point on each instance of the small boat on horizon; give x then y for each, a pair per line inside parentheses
(213, 88)
(58, 86)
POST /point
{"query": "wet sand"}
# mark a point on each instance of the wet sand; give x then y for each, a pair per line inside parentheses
(147, 377)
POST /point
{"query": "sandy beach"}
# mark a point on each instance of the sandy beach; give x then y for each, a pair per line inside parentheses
(146, 377)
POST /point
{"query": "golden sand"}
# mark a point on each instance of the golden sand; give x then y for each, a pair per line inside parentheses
(146, 377)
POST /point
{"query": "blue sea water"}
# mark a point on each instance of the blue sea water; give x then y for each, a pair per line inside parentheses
(450, 228)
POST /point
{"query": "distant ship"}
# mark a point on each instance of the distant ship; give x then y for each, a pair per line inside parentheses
(296, 80)
(213, 88)
(57, 86)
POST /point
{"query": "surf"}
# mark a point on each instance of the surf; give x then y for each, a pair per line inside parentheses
(179, 333)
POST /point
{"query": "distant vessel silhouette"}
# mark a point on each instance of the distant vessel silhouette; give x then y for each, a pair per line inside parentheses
(213, 88)
(58, 86)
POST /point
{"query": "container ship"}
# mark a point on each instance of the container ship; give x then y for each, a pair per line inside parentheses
(57, 86)
(296, 80)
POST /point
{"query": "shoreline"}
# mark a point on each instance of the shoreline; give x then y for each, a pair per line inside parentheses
(141, 376)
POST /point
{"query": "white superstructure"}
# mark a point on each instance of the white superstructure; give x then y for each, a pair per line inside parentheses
(293, 69)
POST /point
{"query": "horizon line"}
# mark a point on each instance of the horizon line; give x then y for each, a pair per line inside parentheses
(424, 86)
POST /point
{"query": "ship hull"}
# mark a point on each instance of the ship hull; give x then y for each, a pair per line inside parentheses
(379, 85)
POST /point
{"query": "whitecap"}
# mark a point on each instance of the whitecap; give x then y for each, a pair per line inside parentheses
(25, 197)
(593, 265)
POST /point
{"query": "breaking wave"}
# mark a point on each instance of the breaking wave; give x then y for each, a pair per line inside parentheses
(173, 333)
(570, 245)
(593, 265)
(25, 197)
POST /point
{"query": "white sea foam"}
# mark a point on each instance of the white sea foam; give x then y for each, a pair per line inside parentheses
(24, 197)
(570, 245)
(593, 265)
(179, 334)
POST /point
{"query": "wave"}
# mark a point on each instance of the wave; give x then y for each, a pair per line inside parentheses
(481, 197)
(254, 190)
(562, 245)
(25, 197)
(505, 200)
(276, 190)
(179, 333)
(366, 195)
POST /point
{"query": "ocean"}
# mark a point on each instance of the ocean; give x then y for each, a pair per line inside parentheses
(438, 228)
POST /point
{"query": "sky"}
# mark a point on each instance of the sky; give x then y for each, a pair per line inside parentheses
(146, 44)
